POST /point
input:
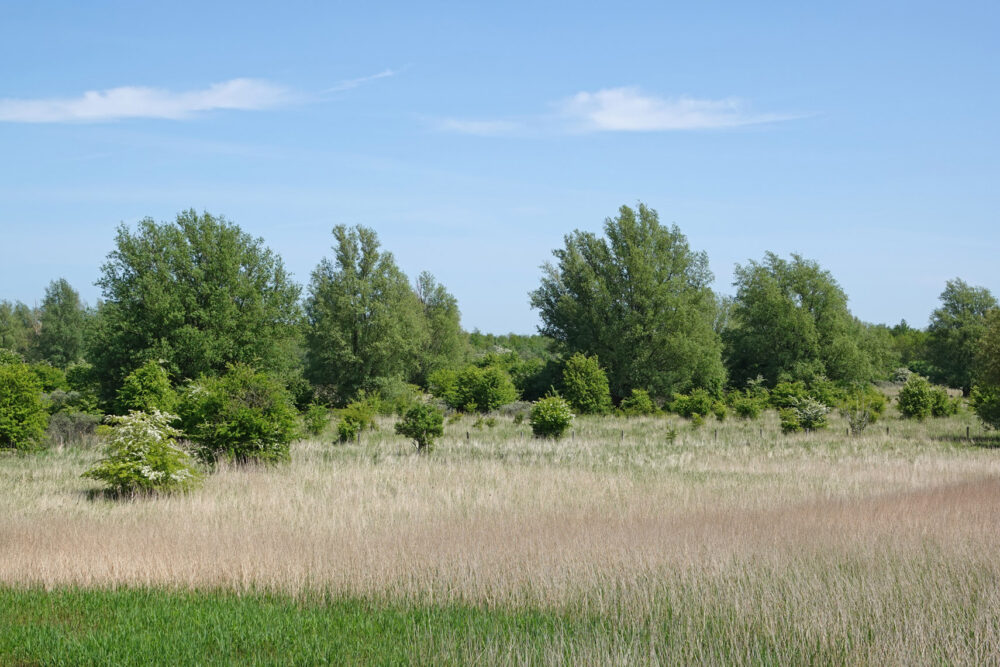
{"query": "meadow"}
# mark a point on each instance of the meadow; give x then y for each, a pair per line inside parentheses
(729, 543)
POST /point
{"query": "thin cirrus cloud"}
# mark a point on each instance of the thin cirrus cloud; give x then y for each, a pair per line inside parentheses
(625, 109)
(144, 102)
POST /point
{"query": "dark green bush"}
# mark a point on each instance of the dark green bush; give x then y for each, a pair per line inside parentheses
(789, 420)
(23, 412)
(243, 416)
(585, 385)
(698, 401)
(550, 417)
(747, 406)
(49, 377)
(481, 389)
(986, 404)
(423, 423)
(943, 405)
(916, 398)
(143, 456)
(786, 394)
(145, 389)
(639, 403)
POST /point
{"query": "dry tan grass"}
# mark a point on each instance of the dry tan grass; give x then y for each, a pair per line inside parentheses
(820, 530)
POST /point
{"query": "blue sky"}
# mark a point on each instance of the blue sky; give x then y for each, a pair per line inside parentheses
(472, 138)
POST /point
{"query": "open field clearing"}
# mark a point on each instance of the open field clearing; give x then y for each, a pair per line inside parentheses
(733, 543)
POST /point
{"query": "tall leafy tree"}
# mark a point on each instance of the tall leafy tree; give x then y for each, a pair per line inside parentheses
(18, 327)
(63, 320)
(445, 345)
(364, 321)
(639, 299)
(954, 332)
(197, 294)
(790, 319)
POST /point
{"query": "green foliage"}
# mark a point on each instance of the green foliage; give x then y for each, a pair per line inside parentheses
(862, 407)
(747, 406)
(364, 321)
(790, 319)
(145, 389)
(789, 420)
(550, 417)
(143, 456)
(357, 416)
(986, 404)
(445, 346)
(787, 394)
(955, 331)
(811, 414)
(198, 293)
(639, 403)
(316, 418)
(442, 383)
(481, 389)
(49, 377)
(698, 401)
(943, 405)
(70, 427)
(18, 324)
(423, 423)
(640, 300)
(720, 410)
(585, 385)
(63, 321)
(243, 416)
(392, 396)
(23, 413)
(916, 398)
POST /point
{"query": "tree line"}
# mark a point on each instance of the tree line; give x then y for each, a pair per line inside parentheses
(198, 297)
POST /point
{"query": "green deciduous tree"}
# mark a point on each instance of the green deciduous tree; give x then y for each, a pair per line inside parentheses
(364, 320)
(63, 320)
(639, 299)
(790, 320)
(146, 389)
(585, 385)
(18, 327)
(23, 414)
(954, 332)
(445, 345)
(986, 393)
(199, 294)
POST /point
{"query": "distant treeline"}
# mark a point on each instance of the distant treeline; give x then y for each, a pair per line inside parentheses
(198, 296)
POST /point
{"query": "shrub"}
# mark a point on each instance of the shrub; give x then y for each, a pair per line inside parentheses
(786, 394)
(423, 423)
(143, 456)
(316, 418)
(916, 398)
(811, 414)
(49, 377)
(943, 405)
(442, 384)
(145, 389)
(393, 396)
(357, 416)
(789, 420)
(639, 403)
(23, 413)
(482, 389)
(863, 407)
(826, 392)
(986, 404)
(242, 416)
(749, 407)
(550, 417)
(901, 375)
(697, 420)
(585, 385)
(719, 410)
(71, 427)
(698, 401)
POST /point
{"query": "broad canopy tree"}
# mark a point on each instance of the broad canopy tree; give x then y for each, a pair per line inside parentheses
(954, 333)
(198, 294)
(639, 299)
(63, 320)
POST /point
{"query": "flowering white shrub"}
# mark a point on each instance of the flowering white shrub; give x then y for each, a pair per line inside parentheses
(143, 456)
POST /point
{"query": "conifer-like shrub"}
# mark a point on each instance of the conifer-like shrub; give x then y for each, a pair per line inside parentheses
(143, 456)
(550, 417)
(243, 416)
(23, 413)
(423, 424)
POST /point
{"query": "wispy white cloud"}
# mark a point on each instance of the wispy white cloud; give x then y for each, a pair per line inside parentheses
(144, 102)
(348, 84)
(625, 109)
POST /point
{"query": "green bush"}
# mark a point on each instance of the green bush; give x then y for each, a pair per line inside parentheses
(639, 403)
(789, 420)
(23, 413)
(394, 397)
(811, 414)
(786, 394)
(481, 389)
(720, 410)
(423, 423)
(863, 407)
(943, 405)
(145, 389)
(243, 416)
(916, 398)
(143, 456)
(443, 383)
(986, 404)
(357, 416)
(698, 401)
(550, 417)
(49, 377)
(585, 385)
(316, 418)
(747, 406)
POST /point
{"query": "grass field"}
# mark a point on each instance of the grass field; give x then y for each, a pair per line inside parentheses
(731, 544)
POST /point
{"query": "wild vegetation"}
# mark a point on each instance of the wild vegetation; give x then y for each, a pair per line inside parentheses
(663, 474)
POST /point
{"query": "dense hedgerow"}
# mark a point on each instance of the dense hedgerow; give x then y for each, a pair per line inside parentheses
(243, 416)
